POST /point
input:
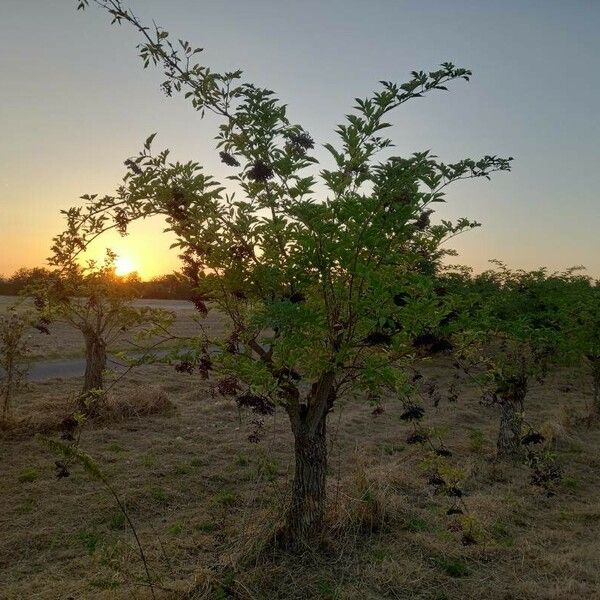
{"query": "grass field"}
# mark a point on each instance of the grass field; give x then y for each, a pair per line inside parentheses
(203, 499)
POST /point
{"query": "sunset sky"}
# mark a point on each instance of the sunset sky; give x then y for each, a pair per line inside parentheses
(75, 103)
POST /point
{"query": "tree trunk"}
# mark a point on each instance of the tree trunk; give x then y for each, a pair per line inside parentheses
(8, 384)
(511, 424)
(307, 510)
(95, 365)
(596, 378)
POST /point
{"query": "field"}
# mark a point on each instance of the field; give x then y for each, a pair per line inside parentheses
(204, 499)
(66, 342)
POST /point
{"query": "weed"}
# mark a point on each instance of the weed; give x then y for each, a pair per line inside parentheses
(104, 583)
(176, 528)
(242, 460)
(453, 567)
(266, 468)
(501, 534)
(327, 590)
(26, 507)
(158, 494)
(225, 498)
(149, 460)
(415, 524)
(89, 539)
(27, 475)
(571, 483)
(476, 440)
(206, 526)
(391, 449)
(182, 469)
(117, 521)
(116, 448)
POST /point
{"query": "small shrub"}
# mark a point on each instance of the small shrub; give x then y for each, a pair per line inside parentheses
(14, 353)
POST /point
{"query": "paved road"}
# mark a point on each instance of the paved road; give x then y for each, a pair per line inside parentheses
(64, 368)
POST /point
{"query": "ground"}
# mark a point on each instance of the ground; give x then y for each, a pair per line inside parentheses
(204, 499)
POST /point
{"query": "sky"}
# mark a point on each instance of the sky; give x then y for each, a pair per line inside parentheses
(75, 102)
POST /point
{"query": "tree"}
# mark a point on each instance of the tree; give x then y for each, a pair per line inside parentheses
(581, 312)
(588, 334)
(512, 329)
(14, 356)
(324, 297)
(94, 300)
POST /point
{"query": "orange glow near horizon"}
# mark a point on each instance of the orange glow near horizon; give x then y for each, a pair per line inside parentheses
(124, 265)
(145, 251)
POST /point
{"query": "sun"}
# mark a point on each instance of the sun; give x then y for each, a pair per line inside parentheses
(124, 265)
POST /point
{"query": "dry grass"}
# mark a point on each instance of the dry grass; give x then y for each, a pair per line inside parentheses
(140, 402)
(205, 502)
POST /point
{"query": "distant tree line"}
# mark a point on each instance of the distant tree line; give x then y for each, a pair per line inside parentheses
(171, 286)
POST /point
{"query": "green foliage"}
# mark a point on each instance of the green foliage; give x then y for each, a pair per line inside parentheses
(14, 357)
(511, 325)
(333, 289)
(327, 273)
(93, 299)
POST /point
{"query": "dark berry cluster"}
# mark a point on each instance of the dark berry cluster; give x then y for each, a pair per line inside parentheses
(259, 404)
(229, 159)
(302, 142)
(260, 171)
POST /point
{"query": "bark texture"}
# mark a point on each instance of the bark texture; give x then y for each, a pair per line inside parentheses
(307, 510)
(511, 426)
(8, 384)
(95, 364)
(306, 513)
(596, 378)
(511, 393)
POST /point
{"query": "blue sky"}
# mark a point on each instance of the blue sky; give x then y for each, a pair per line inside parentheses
(76, 103)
